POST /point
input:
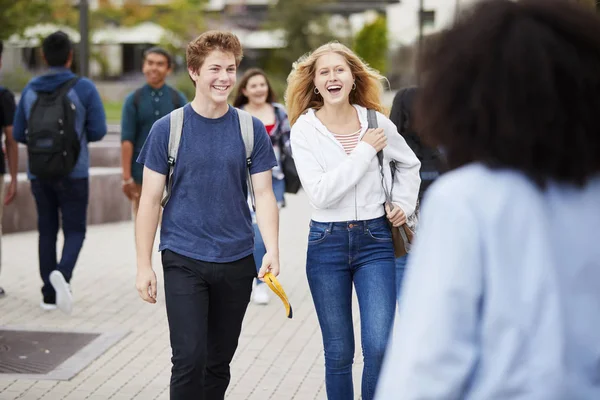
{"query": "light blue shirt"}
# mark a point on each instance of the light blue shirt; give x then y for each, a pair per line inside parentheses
(502, 294)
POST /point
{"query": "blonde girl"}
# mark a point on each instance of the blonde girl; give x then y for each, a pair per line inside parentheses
(328, 97)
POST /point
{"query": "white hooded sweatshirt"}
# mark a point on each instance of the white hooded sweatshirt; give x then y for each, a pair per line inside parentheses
(348, 187)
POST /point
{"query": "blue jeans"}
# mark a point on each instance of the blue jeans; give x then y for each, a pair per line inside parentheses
(70, 198)
(259, 244)
(400, 270)
(339, 254)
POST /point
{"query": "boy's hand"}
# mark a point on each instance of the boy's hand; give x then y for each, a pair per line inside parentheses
(145, 283)
(269, 264)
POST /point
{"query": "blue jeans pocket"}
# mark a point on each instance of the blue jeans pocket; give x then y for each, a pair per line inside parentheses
(317, 235)
(380, 233)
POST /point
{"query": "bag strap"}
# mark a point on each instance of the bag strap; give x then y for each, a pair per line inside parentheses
(175, 98)
(65, 87)
(137, 98)
(175, 131)
(247, 131)
(372, 119)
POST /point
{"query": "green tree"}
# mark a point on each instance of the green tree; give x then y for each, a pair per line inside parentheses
(371, 44)
(304, 30)
(18, 15)
(182, 17)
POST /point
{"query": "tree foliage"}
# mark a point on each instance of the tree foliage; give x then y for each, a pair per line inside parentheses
(182, 17)
(371, 44)
(304, 30)
(18, 15)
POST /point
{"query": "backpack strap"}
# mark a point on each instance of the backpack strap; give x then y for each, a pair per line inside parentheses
(137, 98)
(175, 98)
(247, 131)
(176, 128)
(62, 90)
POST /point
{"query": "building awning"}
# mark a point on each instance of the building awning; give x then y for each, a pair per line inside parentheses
(147, 32)
(272, 39)
(33, 36)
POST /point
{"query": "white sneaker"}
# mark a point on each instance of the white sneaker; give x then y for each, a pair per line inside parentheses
(260, 294)
(64, 298)
(47, 306)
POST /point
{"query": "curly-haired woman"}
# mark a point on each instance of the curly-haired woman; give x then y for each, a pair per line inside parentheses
(501, 296)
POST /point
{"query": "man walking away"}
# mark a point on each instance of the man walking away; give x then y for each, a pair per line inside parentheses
(7, 112)
(57, 116)
(142, 108)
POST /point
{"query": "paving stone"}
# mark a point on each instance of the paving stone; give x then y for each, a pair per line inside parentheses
(277, 358)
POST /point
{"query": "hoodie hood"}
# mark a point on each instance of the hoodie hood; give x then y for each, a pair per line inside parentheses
(51, 80)
(310, 117)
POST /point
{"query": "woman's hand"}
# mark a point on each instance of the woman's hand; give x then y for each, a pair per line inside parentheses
(376, 138)
(395, 215)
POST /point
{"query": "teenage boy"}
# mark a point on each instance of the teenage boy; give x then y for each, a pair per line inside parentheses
(142, 108)
(68, 111)
(206, 236)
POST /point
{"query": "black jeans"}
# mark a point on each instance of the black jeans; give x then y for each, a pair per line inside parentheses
(70, 198)
(206, 303)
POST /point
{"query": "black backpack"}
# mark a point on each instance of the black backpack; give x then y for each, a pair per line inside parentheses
(53, 145)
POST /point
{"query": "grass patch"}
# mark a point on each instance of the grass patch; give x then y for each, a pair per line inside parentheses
(113, 111)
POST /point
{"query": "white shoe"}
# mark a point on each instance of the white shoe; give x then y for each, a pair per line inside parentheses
(64, 298)
(260, 294)
(47, 306)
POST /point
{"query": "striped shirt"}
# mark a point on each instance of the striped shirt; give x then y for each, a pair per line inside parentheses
(348, 142)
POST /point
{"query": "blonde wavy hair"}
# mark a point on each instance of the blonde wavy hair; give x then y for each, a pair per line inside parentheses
(300, 95)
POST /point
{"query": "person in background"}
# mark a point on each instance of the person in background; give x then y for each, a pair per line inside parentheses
(65, 196)
(141, 109)
(7, 112)
(402, 115)
(255, 95)
(330, 94)
(501, 294)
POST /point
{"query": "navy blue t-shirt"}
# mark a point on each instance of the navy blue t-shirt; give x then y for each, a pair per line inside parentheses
(207, 217)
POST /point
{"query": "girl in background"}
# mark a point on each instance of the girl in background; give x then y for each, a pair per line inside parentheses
(255, 95)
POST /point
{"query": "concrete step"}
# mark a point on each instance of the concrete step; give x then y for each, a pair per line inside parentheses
(107, 203)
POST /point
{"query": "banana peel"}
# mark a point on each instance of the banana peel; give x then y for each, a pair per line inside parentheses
(276, 287)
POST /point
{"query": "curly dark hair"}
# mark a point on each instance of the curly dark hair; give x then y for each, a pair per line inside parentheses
(516, 85)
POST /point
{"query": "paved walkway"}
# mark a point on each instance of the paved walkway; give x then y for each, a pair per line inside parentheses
(277, 358)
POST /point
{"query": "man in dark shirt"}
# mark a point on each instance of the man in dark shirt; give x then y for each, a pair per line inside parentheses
(7, 112)
(142, 108)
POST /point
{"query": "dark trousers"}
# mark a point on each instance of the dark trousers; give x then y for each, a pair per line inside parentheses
(206, 303)
(69, 197)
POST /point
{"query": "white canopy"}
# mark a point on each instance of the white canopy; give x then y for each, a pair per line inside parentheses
(146, 32)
